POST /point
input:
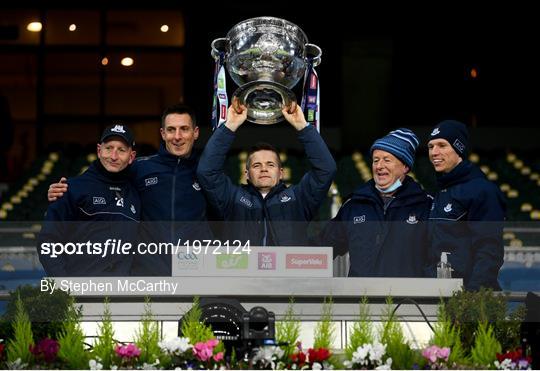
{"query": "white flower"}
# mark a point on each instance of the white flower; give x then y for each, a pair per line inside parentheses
(361, 353)
(279, 352)
(175, 346)
(369, 355)
(377, 351)
(114, 367)
(95, 365)
(267, 355)
(316, 366)
(506, 364)
(16, 365)
(149, 366)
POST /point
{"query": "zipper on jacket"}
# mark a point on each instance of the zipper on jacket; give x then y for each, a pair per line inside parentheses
(387, 205)
(265, 232)
(173, 195)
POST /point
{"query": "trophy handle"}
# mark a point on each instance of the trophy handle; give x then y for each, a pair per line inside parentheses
(219, 46)
(314, 52)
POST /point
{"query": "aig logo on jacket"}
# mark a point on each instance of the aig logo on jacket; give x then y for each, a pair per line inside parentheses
(150, 181)
(246, 202)
(359, 219)
(99, 201)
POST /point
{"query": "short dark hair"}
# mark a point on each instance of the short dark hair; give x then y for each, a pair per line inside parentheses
(179, 108)
(262, 146)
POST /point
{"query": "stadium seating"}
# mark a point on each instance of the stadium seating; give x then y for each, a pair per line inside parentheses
(23, 205)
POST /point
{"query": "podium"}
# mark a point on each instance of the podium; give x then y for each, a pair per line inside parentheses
(270, 293)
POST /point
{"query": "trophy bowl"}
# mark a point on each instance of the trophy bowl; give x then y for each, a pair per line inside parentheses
(266, 57)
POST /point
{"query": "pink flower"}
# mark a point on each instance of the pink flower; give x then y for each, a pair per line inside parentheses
(430, 353)
(433, 353)
(218, 357)
(212, 343)
(443, 353)
(127, 351)
(203, 351)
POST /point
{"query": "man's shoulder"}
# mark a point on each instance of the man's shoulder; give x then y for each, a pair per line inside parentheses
(475, 187)
(144, 164)
(139, 161)
(81, 181)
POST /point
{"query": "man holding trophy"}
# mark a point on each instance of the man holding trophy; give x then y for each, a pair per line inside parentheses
(266, 57)
(265, 211)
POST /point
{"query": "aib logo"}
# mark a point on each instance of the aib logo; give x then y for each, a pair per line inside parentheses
(267, 261)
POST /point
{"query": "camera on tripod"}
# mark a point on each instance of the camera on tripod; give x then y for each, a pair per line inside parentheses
(238, 329)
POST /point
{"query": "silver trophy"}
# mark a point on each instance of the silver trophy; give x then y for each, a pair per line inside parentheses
(266, 57)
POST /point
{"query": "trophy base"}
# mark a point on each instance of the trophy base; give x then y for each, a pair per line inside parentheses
(264, 101)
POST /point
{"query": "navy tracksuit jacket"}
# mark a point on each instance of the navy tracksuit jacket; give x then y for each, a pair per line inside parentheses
(466, 220)
(98, 205)
(282, 216)
(383, 240)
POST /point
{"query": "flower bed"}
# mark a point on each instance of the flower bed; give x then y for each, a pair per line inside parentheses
(384, 347)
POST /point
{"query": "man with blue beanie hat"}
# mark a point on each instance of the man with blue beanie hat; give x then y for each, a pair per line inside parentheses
(380, 224)
(467, 213)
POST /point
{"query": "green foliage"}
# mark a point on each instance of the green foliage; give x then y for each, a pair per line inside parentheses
(104, 345)
(147, 336)
(324, 331)
(507, 331)
(362, 331)
(447, 335)
(71, 340)
(486, 346)
(288, 330)
(46, 311)
(19, 346)
(397, 347)
(467, 308)
(192, 326)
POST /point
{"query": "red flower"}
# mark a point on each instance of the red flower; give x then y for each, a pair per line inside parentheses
(46, 348)
(299, 358)
(1, 350)
(318, 355)
(515, 356)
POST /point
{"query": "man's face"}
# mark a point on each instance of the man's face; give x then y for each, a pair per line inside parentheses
(442, 155)
(387, 168)
(115, 155)
(264, 171)
(179, 134)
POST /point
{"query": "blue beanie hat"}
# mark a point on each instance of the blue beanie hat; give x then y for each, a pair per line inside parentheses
(455, 133)
(402, 143)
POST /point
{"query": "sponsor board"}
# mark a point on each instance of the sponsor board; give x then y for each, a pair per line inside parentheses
(262, 261)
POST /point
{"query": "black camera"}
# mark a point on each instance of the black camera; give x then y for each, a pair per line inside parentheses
(238, 329)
